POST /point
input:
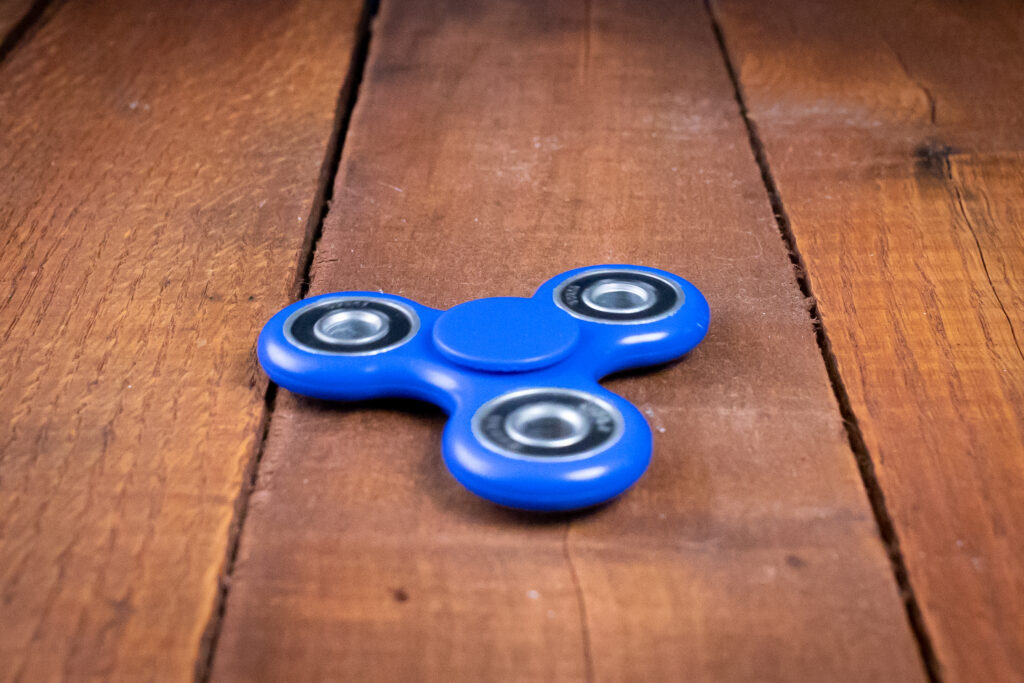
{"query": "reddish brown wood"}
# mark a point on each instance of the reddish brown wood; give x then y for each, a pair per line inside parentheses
(159, 165)
(894, 132)
(494, 145)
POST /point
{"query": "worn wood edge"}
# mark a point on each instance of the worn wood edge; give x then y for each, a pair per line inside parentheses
(931, 140)
(246, 439)
(314, 228)
(858, 446)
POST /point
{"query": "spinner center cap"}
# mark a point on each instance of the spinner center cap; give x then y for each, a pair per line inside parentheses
(505, 334)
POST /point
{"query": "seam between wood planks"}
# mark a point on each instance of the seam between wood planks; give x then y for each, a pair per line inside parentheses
(865, 464)
(332, 159)
(300, 287)
(34, 18)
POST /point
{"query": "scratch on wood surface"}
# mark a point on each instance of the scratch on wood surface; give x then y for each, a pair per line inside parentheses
(393, 187)
(588, 661)
(934, 160)
(959, 199)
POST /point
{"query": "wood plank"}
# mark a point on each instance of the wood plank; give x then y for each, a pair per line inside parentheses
(160, 168)
(494, 145)
(894, 133)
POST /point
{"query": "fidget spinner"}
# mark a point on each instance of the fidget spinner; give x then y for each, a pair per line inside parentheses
(529, 426)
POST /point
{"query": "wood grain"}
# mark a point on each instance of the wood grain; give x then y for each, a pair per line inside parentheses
(494, 145)
(894, 133)
(160, 165)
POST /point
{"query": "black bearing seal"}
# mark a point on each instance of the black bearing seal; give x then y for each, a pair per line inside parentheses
(668, 297)
(403, 323)
(606, 424)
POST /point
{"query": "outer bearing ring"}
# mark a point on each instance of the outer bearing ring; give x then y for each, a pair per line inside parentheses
(574, 296)
(401, 325)
(494, 424)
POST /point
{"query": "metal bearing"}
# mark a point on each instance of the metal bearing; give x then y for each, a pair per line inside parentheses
(351, 326)
(619, 296)
(550, 423)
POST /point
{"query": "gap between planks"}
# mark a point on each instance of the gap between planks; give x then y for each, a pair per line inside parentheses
(865, 464)
(347, 96)
(33, 19)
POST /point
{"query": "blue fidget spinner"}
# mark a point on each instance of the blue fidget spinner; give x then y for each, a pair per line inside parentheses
(529, 426)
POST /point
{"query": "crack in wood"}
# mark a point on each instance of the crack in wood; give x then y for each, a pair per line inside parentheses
(962, 209)
(588, 659)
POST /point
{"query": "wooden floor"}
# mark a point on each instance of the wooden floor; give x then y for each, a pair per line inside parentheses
(837, 491)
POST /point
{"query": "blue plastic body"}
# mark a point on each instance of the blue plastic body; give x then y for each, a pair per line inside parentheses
(462, 358)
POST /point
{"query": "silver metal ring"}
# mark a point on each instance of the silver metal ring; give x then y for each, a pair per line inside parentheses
(351, 326)
(619, 296)
(548, 424)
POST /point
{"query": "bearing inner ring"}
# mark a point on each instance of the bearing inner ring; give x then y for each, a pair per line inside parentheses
(351, 326)
(619, 296)
(548, 424)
